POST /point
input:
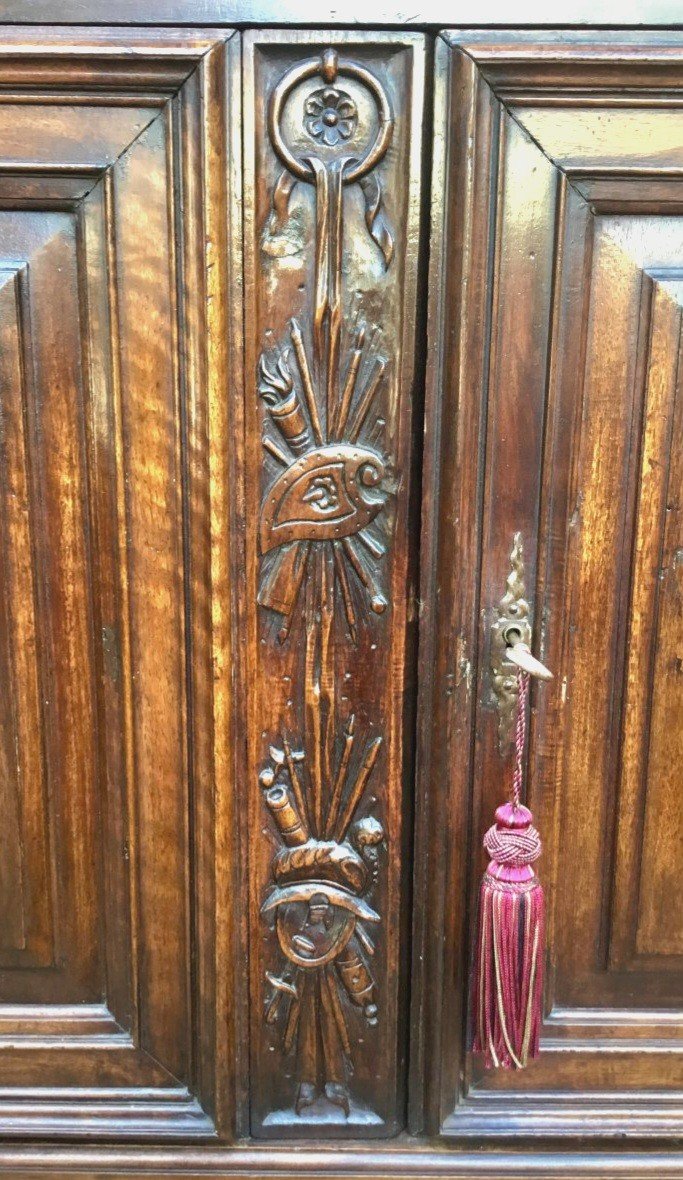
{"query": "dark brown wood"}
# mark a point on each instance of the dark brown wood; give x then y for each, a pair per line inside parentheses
(553, 403)
(332, 185)
(359, 1162)
(385, 13)
(209, 548)
(113, 1017)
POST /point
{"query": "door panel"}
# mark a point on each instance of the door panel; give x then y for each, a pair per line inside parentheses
(108, 994)
(332, 186)
(556, 393)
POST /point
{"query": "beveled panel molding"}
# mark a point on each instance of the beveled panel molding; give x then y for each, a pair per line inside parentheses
(115, 204)
(555, 390)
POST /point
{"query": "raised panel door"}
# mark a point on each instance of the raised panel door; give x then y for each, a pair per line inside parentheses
(556, 414)
(114, 332)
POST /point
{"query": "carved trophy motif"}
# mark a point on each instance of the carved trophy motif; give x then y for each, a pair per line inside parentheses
(324, 875)
(321, 543)
(334, 484)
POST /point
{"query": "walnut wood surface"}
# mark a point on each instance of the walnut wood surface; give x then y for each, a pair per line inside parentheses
(385, 1163)
(329, 664)
(110, 349)
(556, 393)
(429, 13)
(232, 911)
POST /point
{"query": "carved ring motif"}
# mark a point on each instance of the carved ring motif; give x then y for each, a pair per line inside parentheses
(329, 67)
(324, 874)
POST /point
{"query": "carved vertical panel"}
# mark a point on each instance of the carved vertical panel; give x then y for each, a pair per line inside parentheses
(332, 184)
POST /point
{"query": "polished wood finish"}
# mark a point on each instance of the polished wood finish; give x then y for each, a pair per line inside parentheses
(113, 1017)
(555, 393)
(233, 911)
(419, 1162)
(434, 14)
(332, 234)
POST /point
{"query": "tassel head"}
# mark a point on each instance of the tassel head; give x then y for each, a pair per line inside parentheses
(512, 843)
(508, 968)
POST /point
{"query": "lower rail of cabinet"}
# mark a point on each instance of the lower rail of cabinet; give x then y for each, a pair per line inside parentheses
(417, 1163)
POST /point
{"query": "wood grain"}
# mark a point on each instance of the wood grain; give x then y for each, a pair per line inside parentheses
(580, 337)
(209, 548)
(331, 269)
(386, 14)
(111, 307)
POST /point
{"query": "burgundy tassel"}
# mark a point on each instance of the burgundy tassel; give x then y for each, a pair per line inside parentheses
(508, 968)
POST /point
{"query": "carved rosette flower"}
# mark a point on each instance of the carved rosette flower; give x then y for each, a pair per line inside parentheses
(331, 116)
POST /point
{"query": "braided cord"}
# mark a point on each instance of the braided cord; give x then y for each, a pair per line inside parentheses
(520, 735)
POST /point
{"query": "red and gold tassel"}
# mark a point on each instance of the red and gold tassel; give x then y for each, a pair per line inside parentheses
(508, 967)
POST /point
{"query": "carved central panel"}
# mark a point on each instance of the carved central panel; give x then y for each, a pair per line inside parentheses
(315, 532)
(330, 273)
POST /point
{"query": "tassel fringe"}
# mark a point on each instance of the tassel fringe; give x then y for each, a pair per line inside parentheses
(507, 980)
(509, 972)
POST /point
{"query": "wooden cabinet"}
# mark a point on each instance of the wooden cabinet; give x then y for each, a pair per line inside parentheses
(306, 335)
